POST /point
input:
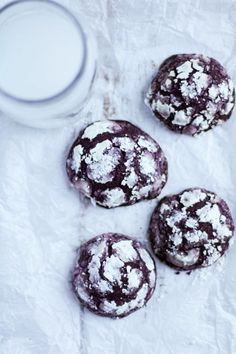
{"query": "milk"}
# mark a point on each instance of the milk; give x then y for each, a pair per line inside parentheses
(42, 52)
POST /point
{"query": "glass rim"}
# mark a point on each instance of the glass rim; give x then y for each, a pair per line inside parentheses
(79, 73)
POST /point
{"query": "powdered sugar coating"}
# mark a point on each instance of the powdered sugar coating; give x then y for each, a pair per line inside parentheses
(192, 229)
(116, 163)
(191, 93)
(114, 275)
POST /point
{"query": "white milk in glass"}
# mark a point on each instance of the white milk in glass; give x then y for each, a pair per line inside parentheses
(47, 63)
(41, 54)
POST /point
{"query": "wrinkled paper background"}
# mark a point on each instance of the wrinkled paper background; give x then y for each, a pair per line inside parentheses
(43, 220)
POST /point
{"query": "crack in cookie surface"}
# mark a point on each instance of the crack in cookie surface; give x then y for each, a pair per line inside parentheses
(114, 275)
(191, 93)
(192, 229)
(116, 163)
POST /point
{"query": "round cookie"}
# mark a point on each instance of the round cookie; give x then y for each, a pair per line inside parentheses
(192, 229)
(114, 275)
(191, 93)
(116, 163)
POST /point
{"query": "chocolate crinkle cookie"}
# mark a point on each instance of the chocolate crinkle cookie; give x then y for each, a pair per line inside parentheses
(192, 229)
(116, 163)
(114, 275)
(191, 93)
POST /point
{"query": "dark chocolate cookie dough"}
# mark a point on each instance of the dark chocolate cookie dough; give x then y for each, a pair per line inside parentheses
(114, 275)
(116, 163)
(192, 229)
(191, 93)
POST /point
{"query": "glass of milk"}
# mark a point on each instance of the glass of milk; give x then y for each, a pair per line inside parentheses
(47, 63)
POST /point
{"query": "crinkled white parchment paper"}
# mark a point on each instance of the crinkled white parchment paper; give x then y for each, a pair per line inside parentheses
(43, 221)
